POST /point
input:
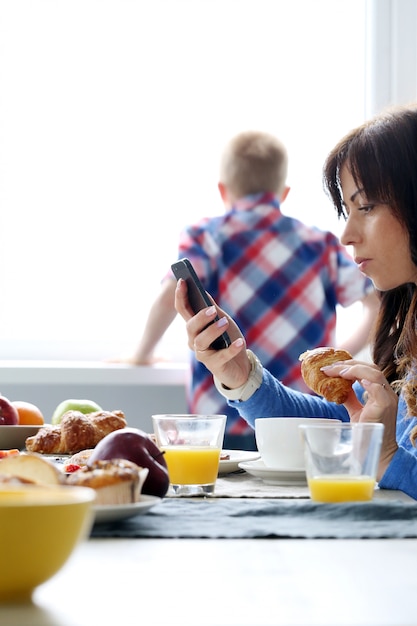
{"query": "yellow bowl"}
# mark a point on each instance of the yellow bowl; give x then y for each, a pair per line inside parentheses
(39, 529)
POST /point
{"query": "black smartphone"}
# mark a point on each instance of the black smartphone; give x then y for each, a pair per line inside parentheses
(197, 296)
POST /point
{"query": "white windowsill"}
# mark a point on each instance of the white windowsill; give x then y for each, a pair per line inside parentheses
(90, 372)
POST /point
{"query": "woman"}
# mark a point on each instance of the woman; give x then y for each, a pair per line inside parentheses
(371, 177)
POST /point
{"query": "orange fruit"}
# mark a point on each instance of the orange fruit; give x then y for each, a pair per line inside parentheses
(29, 414)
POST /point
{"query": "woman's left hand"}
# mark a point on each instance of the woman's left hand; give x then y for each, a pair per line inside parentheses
(381, 404)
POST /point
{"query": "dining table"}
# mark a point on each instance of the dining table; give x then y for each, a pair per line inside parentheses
(253, 554)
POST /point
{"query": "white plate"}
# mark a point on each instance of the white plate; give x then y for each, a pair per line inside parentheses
(59, 459)
(104, 513)
(274, 477)
(236, 456)
(15, 436)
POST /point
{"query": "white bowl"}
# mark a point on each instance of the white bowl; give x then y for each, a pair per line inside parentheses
(15, 436)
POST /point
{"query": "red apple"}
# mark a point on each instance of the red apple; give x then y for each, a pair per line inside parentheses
(8, 413)
(136, 446)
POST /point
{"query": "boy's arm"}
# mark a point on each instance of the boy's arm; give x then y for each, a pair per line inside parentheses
(360, 338)
(161, 315)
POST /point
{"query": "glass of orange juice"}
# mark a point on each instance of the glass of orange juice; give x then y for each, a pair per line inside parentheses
(342, 460)
(192, 445)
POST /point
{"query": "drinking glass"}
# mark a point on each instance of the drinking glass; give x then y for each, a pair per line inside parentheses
(342, 460)
(192, 445)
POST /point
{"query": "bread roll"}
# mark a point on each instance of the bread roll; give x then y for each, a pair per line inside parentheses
(333, 389)
(80, 458)
(31, 468)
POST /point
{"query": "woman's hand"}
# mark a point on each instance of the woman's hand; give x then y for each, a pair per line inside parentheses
(381, 404)
(230, 365)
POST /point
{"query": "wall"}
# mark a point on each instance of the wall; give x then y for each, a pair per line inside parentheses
(137, 391)
(391, 54)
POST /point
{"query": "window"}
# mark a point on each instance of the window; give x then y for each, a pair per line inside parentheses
(113, 116)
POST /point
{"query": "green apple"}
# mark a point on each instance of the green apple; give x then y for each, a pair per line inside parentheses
(84, 406)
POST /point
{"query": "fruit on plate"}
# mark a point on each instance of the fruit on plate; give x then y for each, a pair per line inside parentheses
(8, 413)
(83, 406)
(136, 446)
(31, 468)
(11, 452)
(29, 414)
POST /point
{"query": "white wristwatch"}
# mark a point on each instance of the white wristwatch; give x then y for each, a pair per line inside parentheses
(251, 385)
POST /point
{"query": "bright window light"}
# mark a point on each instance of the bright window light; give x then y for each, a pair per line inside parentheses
(113, 115)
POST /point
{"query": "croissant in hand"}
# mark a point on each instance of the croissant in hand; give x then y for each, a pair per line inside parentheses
(75, 432)
(332, 388)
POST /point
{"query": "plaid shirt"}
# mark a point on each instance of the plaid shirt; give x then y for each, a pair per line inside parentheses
(279, 279)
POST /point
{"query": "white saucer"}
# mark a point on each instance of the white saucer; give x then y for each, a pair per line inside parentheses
(235, 457)
(274, 476)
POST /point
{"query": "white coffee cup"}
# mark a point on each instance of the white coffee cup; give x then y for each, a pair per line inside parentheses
(280, 443)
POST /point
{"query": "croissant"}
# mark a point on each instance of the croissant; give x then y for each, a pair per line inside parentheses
(333, 389)
(75, 432)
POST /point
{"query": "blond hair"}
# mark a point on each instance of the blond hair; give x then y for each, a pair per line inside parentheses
(254, 162)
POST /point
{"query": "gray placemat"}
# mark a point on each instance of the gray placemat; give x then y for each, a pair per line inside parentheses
(256, 518)
(245, 486)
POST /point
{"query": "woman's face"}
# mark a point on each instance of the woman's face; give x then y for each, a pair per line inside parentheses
(380, 242)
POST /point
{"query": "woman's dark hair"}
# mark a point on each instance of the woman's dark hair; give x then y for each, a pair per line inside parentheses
(381, 155)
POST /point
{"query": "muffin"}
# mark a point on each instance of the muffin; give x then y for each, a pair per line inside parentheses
(115, 482)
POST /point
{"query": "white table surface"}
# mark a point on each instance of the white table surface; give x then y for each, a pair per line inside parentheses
(252, 582)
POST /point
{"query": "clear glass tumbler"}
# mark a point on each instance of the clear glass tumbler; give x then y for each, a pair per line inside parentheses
(342, 460)
(192, 445)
